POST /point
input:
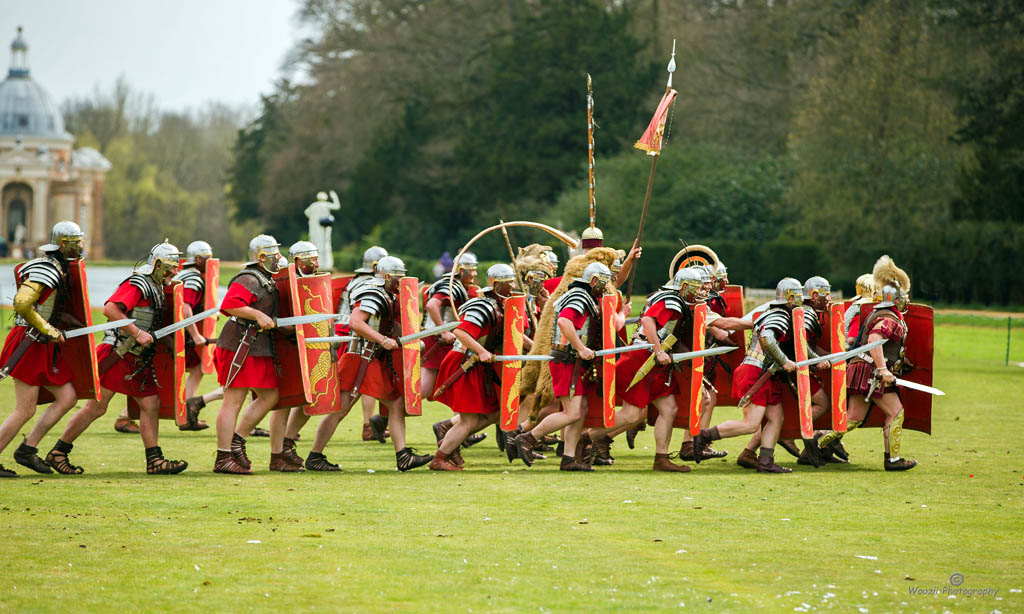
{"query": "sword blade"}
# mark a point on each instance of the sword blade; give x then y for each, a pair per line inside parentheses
(836, 357)
(331, 339)
(621, 350)
(307, 319)
(163, 332)
(725, 349)
(88, 330)
(921, 387)
(523, 357)
(428, 332)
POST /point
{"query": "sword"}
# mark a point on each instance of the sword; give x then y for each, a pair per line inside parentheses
(623, 349)
(841, 356)
(632, 320)
(88, 330)
(31, 336)
(463, 369)
(715, 351)
(307, 319)
(428, 332)
(524, 357)
(757, 384)
(332, 339)
(240, 354)
(163, 332)
(921, 387)
(650, 362)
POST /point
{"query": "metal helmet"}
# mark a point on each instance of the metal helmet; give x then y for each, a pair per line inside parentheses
(265, 245)
(817, 292)
(721, 275)
(162, 262)
(789, 292)
(591, 237)
(370, 258)
(197, 248)
(891, 295)
(390, 267)
(552, 258)
(67, 238)
(303, 249)
(502, 274)
(466, 261)
(599, 271)
(705, 273)
(687, 281)
(865, 285)
(620, 259)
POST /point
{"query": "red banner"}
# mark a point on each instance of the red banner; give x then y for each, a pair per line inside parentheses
(293, 389)
(208, 327)
(169, 360)
(803, 374)
(409, 314)
(511, 371)
(609, 307)
(837, 343)
(700, 315)
(652, 137)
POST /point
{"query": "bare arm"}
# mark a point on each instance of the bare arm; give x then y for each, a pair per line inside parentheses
(359, 325)
(649, 326)
(569, 332)
(470, 342)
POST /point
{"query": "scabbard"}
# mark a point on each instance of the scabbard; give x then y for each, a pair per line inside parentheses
(364, 364)
(463, 369)
(433, 350)
(26, 342)
(767, 373)
(241, 354)
(577, 372)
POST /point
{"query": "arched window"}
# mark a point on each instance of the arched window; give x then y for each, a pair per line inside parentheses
(16, 215)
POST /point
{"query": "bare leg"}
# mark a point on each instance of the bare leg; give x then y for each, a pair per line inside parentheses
(227, 418)
(257, 410)
(772, 427)
(297, 419)
(369, 406)
(330, 423)
(87, 415)
(470, 423)
(64, 399)
(195, 376)
(428, 379)
(149, 419)
(572, 410)
(396, 422)
(751, 422)
(25, 398)
(572, 432)
(625, 419)
(278, 426)
(667, 410)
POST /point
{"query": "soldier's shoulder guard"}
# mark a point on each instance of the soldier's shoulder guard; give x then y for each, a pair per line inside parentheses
(777, 319)
(670, 298)
(146, 286)
(482, 311)
(579, 300)
(459, 294)
(254, 281)
(42, 270)
(192, 279)
(372, 297)
(811, 323)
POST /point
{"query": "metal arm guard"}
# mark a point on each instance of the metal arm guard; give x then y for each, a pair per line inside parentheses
(24, 303)
(771, 346)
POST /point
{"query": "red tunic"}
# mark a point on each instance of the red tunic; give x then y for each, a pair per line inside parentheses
(745, 376)
(144, 383)
(194, 300)
(42, 363)
(382, 380)
(476, 392)
(434, 359)
(859, 373)
(659, 381)
(256, 371)
(561, 372)
(552, 284)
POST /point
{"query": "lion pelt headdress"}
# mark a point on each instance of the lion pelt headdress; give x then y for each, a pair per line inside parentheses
(536, 375)
(532, 258)
(886, 272)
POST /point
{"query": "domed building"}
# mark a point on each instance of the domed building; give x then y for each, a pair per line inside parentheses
(43, 179)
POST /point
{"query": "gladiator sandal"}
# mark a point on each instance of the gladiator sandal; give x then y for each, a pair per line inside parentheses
(893, 435)
(500, 437)
(27, 456)
(747, 459)
(456, 458)
(789, 446)
(126, 425)
(280, 462)
(441, 429)
(316, 461)
(603, 451)
(238, 451)
(839, 453)
(474, 438)
(157, 464)
(525, 443)
(258, 432)
(663, 462)
(766, 462)
(895, 463)
(225, 463)
(442, 462)
(290, 454)
(379, 426)
(368, 432)
(7, 473)
(832, 437)
(58, 459)
(407, 459)
(511, 451)
(192, 407)
(702, 440)
(571, 464)
(585, 449)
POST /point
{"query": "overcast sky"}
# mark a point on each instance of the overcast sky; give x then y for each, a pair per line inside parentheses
(184, 52)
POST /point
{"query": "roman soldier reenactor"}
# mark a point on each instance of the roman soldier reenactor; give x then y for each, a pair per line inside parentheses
(577, 333)
(126, 360)
(31, 353)
(438, 309)
(244, 356)
(851, 319)
(194, 292)
(471, 379)
(870, 379)
(373, 363)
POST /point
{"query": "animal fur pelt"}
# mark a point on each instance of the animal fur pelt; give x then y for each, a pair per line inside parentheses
(537, 375)
(532, 258)
(886, 272)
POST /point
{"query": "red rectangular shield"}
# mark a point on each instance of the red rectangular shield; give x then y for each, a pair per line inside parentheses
(803, 374)
(609, 307)
(208, 327)
(169, 360)
(293, 388)
(511, 371)
(409, 305)
(726, 364)
(80, 352)
(315, 296)
(837, 343)
(338, 285)
(700, 314)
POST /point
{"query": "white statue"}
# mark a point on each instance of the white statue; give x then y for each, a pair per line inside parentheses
(320, 222)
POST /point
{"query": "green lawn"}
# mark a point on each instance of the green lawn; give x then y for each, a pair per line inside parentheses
(505, 538)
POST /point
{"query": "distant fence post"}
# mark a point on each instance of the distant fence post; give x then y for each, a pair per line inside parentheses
(1008, 318)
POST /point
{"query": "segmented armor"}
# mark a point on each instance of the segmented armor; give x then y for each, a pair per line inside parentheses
(459, 297)
(345, 307)
(49, 272)
(579, 299)
(147, 317)
(379, 305)
(260, 285)
(485, 312)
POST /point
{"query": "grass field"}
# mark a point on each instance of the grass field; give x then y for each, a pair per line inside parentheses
(504, 538)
